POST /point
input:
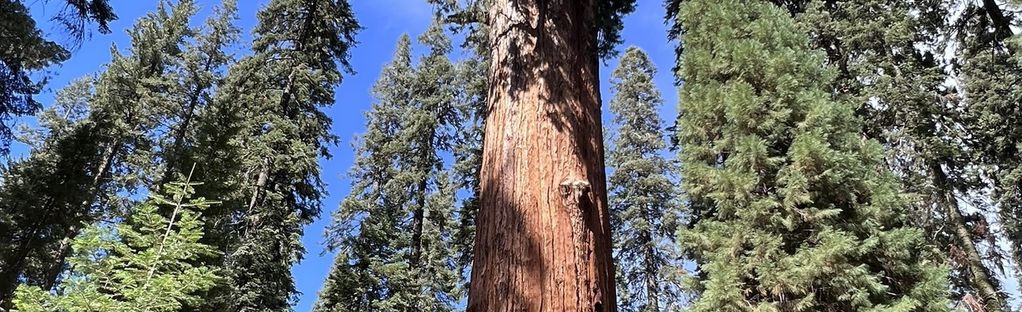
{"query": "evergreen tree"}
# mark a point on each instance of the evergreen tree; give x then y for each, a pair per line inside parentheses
(25, 52)
(989, 77)
(464, 18)
(793, 208)
(143, 264)
(75, 175)
(198, 73)
(644, 212)
(300, 50)
(401, 256)
(884, 55)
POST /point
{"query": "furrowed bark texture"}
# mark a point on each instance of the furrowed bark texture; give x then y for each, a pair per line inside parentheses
(543, 240)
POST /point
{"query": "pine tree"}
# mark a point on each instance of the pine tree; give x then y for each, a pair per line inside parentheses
(991, 98)
(198, 73)
(366, 226)
(884, 55)
(793, 208)
(390, 264)
(27, 52)
(143, 264)
(300, 50)
(644, 212)
(41, 196)
(76, 175)
(464, 19)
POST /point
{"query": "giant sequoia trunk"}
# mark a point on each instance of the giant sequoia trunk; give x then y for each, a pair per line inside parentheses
(543, 240)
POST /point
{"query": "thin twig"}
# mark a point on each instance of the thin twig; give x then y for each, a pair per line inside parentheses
(163, 242)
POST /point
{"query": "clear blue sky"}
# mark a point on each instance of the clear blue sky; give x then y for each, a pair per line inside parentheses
(384, 22)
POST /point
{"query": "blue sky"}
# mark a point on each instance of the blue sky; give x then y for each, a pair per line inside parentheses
(384, 22)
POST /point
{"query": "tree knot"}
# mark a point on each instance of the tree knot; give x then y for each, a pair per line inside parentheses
(572, 191)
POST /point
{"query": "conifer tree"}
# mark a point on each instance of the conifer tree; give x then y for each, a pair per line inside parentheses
(884, 53)
(143, 264)
(464, 18)
(644, 211)
(402, 204)
(793, 209)
(300, 50)
(988, 72)
(198, 73)
(26, 52)
(74, 176)
(368, 227)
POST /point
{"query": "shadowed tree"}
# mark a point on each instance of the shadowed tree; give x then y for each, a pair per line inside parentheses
(543, 239)
(74, 175)
(883, 52)
(278, 131)
(989, 74)
(26, 52)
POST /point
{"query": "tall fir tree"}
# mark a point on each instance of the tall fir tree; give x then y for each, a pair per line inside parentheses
(355, 282)
(142, 264)
(988, 75)
(300, 49)
(75, 175)
(888, 64)
(402, 256)
(201, 130)
(26, 52)
(464, 18)
(197, 74)
(793, 209)
(642, 199)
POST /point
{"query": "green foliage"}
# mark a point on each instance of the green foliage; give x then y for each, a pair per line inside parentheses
(793, 210)
(26, 52)
(142, 264)
(276, 130)
(82, 162)
(200, 69)
(884, 55)
(609, 23)
(991, 84)
(394, 230)
(643, 205)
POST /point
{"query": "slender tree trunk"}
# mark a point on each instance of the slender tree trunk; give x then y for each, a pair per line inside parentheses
(417, 216)
(9, 275)
(64, 249)
(652, 287)
(1001, 23)
(59, 256)
(260, 187)
(981, 279)
(543, 240)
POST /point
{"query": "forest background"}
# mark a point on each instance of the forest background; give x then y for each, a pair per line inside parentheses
(383, 21)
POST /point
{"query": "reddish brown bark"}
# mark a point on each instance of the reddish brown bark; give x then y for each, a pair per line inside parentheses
(543, 240)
